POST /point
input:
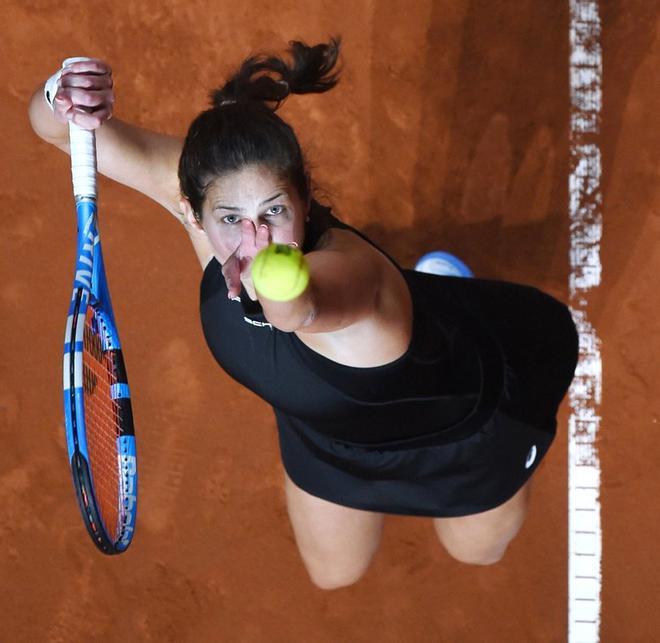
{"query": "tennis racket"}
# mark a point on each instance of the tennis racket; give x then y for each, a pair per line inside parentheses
(97, 403)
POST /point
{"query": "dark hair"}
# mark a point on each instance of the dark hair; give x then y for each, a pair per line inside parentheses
(242, 127)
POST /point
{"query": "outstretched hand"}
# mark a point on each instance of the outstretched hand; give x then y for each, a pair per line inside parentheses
(238, 267)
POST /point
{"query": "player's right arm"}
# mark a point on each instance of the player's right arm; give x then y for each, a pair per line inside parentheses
(141, 159)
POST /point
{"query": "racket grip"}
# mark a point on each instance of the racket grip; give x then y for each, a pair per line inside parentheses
(83, 161)
(83, 154)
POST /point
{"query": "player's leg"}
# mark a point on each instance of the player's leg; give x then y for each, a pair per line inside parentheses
(482, 539)
(336, 543)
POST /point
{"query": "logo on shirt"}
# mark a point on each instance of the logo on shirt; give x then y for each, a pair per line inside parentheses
(254, 322)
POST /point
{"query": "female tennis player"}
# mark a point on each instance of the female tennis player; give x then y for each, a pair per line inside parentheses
(394, 391)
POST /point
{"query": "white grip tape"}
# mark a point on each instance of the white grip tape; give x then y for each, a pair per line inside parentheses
(83, 153)
(83, 161)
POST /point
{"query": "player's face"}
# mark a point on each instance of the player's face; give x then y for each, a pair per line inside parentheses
(258, 195)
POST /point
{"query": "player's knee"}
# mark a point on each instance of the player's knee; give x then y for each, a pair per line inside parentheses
(478, 556)
(332, 582)
(329, 577)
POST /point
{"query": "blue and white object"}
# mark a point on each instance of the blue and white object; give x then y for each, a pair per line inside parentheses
(443, 263)
(97, 405)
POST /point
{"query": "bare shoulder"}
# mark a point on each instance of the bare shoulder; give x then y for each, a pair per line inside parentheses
(343, 240)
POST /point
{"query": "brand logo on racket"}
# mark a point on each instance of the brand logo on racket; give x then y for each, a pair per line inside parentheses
(128, 465)
(86, 261)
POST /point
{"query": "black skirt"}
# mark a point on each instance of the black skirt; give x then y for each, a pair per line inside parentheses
(527, 346)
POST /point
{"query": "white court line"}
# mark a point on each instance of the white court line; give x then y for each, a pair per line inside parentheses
(585, 202)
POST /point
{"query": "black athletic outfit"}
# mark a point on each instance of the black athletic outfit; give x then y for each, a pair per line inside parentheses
(455, 426)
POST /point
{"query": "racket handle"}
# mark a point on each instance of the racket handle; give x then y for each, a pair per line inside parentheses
(83, 154)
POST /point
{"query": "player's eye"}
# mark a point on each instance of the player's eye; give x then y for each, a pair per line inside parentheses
(274, 210)
(230, 218)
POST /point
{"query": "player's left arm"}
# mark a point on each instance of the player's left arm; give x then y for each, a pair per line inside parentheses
(348, 279)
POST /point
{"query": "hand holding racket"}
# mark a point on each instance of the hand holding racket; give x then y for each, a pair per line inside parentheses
(97, 404)
(81, 92)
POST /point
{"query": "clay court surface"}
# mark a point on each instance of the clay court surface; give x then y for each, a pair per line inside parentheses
(448, 131)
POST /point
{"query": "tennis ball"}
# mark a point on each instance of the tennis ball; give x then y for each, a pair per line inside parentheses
(279, 272)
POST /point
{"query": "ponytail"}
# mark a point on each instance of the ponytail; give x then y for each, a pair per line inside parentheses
(311, 71)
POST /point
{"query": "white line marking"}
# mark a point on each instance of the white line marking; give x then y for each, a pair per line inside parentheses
(585, 199)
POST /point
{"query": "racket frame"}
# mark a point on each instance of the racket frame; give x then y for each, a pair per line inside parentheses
(90, 288)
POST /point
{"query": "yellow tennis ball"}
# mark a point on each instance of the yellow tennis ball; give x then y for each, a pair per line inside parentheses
(280, 272)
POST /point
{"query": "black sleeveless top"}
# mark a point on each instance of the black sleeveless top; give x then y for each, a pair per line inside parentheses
(442, 389)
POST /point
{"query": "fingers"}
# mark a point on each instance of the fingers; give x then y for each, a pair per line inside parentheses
(91, 66)
(238, 265)
(65, 111)
(253, 240)
(85, 94)
(85, 80)
(262, 238)
(92, 99)
(231, 271)
(90, 121)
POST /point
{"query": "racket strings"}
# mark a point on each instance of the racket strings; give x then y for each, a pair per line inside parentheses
(103, 421)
